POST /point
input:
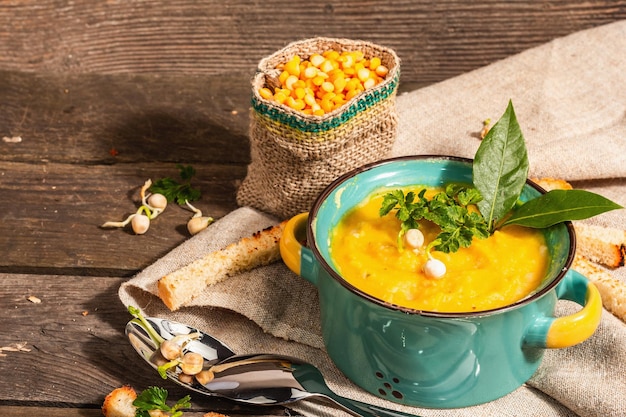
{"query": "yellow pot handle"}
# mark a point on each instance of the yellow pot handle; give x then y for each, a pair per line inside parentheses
(290, 246)
(562, 332)
(578, 327)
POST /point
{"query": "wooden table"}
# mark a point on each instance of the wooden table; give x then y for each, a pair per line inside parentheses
(97, 97)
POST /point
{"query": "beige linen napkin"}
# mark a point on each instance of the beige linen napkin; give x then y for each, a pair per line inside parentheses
(570, 99)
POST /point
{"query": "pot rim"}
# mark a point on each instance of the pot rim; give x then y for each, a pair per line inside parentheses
(311, 242)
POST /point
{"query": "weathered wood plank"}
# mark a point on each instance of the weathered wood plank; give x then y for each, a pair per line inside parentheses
(78, 352)
(436, 40)
(50, 215)
(83, 118)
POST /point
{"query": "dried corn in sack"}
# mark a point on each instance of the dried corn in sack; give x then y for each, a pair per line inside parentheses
(296, 149)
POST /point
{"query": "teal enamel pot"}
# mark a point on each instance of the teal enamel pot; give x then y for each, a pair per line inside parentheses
(425, 358)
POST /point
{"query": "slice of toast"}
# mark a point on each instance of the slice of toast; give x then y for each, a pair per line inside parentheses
(181, 286)
(603, 245)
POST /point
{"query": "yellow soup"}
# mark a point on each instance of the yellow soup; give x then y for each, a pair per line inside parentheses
(491, 273)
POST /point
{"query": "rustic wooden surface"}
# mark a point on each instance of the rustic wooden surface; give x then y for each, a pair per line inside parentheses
(105, 95)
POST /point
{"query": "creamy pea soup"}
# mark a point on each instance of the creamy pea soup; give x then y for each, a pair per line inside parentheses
(490, 273)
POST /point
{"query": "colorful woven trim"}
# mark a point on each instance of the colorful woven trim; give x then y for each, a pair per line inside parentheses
(309, 124)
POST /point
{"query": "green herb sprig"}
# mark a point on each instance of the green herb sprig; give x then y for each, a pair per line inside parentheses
(499, 172)
(179, 191)
(154, 398)
(447, 209)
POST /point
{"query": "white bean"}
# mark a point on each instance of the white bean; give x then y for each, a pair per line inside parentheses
(140, 224)
(414, 238)
(434, 268)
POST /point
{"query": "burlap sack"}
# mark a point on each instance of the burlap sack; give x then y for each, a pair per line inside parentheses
(293, 155)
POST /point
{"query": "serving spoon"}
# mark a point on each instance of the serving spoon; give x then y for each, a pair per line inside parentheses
(262, 379)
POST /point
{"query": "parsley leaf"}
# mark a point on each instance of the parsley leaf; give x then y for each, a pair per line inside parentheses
(409, 211)
(177, 191)
(154, 398)
(448, 209)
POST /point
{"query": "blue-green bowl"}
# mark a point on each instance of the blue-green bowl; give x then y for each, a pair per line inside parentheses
(425, 358)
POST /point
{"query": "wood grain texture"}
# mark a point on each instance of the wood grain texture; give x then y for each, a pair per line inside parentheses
(50, 215)
(78, 352)
(80, 118)
(435, 39)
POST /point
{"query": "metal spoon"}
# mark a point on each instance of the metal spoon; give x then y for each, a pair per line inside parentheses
(263, 379)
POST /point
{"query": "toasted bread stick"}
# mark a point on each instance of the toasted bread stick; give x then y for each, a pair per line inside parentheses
(181, 286)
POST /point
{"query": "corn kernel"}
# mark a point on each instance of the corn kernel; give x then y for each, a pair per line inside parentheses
(327, 105)
(369, 83)
(293, 66)
(266, 93)
(339, 99)
(309, 100)
(327, 66)
(339, 84)
(309, 72)
(299, 93)
(290, 81)
(316, 60)
(352, 93)
(374, 63)
(325, 81)
(294, 103)
(280, 97)
(363, 74)
(283, 77)
(382, 70)
(331, 55)
(328, 86)
(348, 61)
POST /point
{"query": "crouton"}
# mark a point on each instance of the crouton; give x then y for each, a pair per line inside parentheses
(119, 402)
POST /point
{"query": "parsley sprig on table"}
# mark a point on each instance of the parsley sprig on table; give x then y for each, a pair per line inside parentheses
(447, 209)
(179, 191)
(154, 398)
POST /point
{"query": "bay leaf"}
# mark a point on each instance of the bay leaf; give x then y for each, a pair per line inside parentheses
(557, 206)
(500, 168)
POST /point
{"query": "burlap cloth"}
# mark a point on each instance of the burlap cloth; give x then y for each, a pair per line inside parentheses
(570, 99)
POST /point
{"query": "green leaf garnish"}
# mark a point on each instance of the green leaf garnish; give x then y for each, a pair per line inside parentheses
(177, 191)
(557, 206)
(500, 168)
(447, 209)
(154, 398)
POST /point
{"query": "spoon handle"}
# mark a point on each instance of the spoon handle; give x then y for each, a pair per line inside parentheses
(361, 409)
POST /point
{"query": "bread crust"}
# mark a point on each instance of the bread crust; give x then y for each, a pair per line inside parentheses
(119, 402)
(181, 286)
(604, 245)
